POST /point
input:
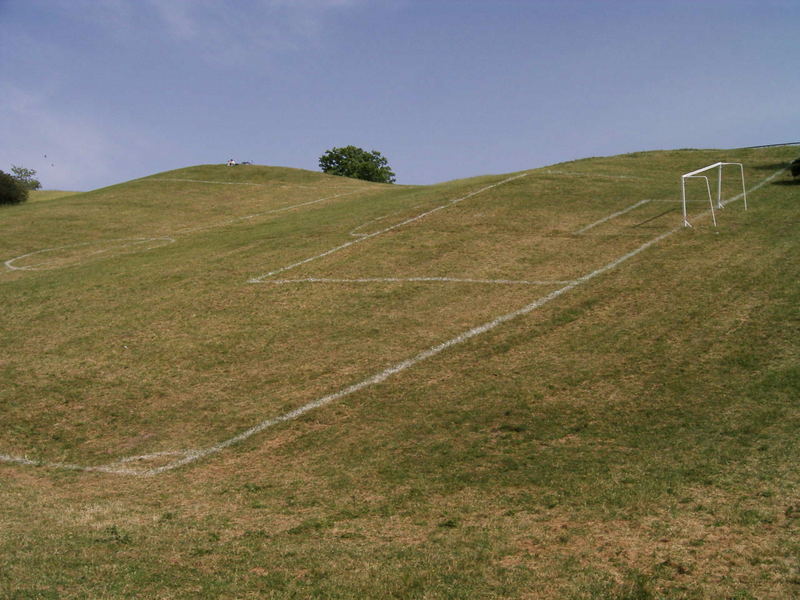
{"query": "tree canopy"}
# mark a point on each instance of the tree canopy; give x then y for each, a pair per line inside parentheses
(355, 162)
(11, 192)
(25, 177)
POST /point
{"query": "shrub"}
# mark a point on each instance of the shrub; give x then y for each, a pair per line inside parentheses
(11, 192)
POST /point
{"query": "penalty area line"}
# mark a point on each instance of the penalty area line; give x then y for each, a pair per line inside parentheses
(235, 220)
(368, 236)
(192, 456)
(612, 216)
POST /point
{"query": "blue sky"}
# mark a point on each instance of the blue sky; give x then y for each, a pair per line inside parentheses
(95, 92)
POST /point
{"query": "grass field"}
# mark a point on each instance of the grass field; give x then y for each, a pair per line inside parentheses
(45, 195)
(266, 382)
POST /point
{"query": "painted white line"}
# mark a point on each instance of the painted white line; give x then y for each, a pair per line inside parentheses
(424, 355)
(404, 365)
(37, 267)
(355, 233)
(266, 212)
(9, 264)
(190, 456)
(412, 280)
(112, 468)
(612, 216)
(145, 457)
(382, 231)
(21, 460)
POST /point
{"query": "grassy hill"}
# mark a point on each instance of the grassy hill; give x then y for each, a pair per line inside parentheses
(46, 195)
(268, 382)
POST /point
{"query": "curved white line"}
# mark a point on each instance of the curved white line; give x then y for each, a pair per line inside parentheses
(9, 263)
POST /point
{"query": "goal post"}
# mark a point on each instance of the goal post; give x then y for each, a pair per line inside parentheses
(697, 175)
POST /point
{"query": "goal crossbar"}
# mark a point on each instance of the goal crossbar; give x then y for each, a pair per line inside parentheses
(696, 175)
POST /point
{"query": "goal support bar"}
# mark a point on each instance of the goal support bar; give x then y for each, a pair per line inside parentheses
(696, 175)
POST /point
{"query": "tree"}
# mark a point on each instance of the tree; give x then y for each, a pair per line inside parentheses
(351, 161)
(25, 177)
(11, 192)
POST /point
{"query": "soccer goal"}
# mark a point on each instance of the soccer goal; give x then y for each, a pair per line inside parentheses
(697, 175)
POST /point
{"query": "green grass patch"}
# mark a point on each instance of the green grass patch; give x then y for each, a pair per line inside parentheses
(46, 195)
(633, 438)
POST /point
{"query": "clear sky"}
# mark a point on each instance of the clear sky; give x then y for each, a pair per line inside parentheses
(95, 92)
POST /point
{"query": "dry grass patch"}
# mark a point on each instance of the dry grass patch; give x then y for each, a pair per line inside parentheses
(634, 438)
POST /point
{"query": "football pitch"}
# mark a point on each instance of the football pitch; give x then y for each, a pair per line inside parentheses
(256, 318)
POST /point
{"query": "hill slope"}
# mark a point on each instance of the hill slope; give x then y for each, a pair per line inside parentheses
(516, 371)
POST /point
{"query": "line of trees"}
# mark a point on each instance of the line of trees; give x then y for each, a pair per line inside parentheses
(14, 186)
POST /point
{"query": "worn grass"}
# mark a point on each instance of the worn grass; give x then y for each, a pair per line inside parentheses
(635, 438)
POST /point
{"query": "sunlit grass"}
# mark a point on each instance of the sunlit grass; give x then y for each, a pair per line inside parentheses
(45, 195)
(635, 438)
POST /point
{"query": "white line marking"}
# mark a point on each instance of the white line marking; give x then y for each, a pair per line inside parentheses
(266, 212)
(21, 460)
(382, 231)
(402, 366)
(190, 456)
(143, 457)
(355, 233)
(412, 280)
(132, 242)
(184, 231)
(611, 216)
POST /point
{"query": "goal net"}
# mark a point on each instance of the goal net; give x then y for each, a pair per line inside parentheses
(719, 183)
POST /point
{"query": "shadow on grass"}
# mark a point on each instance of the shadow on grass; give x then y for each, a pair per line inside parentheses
(795, 181)
(772, 166)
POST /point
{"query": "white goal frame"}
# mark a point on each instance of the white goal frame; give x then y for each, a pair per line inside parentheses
(696, 175)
